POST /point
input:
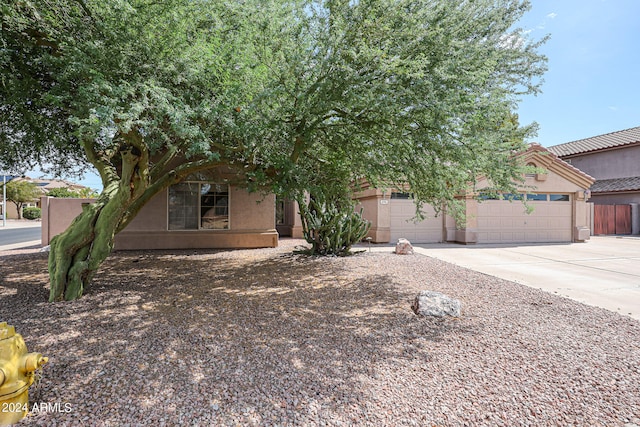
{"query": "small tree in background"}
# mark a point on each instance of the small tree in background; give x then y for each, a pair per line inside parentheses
(21, 192)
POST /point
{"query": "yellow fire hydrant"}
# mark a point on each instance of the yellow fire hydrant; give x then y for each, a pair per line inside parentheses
(17, 373)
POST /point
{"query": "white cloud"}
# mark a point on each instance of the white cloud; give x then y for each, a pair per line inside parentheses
(543, 24)
(612, 108)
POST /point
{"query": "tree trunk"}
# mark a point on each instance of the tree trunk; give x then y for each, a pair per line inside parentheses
(18, 209)
(76, 254)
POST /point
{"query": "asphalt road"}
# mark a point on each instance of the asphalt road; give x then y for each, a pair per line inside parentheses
(13, 236)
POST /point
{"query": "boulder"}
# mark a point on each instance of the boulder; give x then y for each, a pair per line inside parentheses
(403, 247)
(430, 303)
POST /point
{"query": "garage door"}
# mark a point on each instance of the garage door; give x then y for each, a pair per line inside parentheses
(403, 226)
(501, 221)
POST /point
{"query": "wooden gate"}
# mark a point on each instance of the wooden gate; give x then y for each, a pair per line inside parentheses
(612, 219)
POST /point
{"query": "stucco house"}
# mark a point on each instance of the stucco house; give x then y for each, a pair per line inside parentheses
(559, 201)
(200, 212)
(613, 159)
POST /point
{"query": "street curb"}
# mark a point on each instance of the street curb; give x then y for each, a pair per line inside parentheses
(23, 245)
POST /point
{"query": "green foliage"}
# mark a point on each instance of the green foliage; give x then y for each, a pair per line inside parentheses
(295, 96)
(331, 228)
(20, 192)
(394, 92)
(63, 192)
(403, 91)
(87, 193)
(32, 213)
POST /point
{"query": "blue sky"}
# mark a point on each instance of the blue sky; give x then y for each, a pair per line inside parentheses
(592, 86)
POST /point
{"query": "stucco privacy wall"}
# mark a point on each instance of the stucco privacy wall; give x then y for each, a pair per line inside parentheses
(57, 214)
(251, 224)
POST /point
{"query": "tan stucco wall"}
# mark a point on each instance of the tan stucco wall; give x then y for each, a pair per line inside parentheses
(12, 210)
(296, 226)
(376, 208)
(252, 224)
(247, 211)
(57, 214)
(546, 183)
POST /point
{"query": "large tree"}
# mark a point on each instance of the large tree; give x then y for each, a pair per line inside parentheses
(296, 96)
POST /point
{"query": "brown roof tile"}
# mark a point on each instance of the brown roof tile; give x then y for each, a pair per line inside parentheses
(616, 184)
(600, 142)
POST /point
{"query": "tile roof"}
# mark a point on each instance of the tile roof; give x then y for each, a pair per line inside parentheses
(616, 184)
(600, 142)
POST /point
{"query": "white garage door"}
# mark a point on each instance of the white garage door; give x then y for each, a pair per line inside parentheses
(403, 226)
(501, 221)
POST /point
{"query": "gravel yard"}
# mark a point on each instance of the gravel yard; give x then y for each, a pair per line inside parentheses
(267, 338)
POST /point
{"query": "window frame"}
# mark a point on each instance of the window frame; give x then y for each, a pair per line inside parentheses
(399, 195)
(567, 195)
(199, 206)
(534, 197)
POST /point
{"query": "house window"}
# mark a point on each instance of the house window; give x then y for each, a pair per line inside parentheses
(512, 196)
(559, 197)
(537, 197)
(401, 196)
(488, 196)
(199, 206)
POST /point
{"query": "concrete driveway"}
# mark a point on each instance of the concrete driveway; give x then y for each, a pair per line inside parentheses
(604, 272)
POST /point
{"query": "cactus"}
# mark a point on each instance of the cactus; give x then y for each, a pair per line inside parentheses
(331, 228)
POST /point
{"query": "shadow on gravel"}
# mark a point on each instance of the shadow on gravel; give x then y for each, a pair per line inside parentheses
(216, 337)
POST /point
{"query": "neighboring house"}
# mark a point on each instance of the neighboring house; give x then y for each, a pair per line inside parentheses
(560, 212)
(197, 213)
(613, 160)
(44, 186)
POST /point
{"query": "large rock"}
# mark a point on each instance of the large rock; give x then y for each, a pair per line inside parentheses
(403, 247)
(430, 303)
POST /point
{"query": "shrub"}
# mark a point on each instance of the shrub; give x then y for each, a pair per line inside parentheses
(31, 213)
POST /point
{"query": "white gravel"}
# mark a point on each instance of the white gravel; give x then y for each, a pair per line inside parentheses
(267, 338)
